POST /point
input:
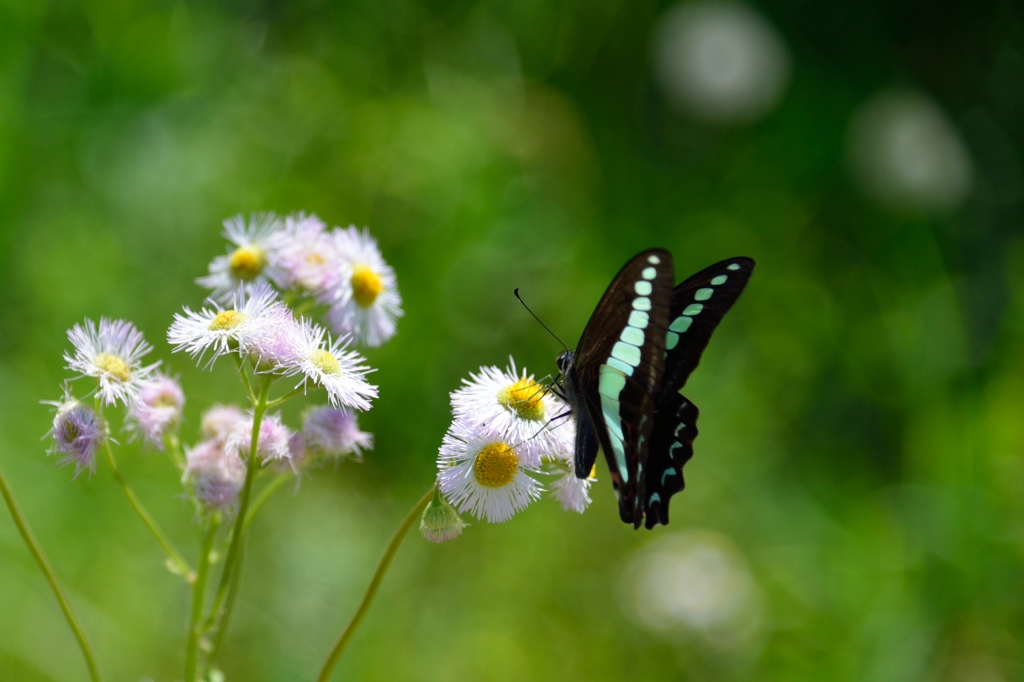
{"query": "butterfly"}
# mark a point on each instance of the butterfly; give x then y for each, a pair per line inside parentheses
(622, 384)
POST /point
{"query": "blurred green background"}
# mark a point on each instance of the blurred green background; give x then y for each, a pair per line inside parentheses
(855, 508)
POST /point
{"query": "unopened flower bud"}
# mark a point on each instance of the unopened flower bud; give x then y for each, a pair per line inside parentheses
(220, 421)
(440, 522)
(78, 432)
(157, 410)
(216, 476)
(335, 432)
(272, 443)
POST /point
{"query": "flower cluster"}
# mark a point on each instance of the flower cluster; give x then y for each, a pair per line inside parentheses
(507, 431)
(342, 269)
(216, 475)
(215, 467)
(110, 354)
(507, 434)
(273, 268)
(263, 329)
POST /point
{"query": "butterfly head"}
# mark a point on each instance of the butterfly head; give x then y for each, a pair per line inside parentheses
(564, 361)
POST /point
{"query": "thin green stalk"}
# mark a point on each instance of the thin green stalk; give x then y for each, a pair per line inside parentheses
(239, 363)
(172, 444)
(298, 390)
(265, 494)
(51, 577)
(182, 566)
(198, 599)
(218, 636)
(303, 307)
(251, 466)
(371, 591)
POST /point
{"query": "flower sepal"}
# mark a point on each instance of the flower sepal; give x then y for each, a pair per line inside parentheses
(440, 521)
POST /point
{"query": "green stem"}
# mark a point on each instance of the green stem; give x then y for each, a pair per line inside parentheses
(245, 378)
(172, 444)
(251, 466)
(198, 598)
(264, 495)
(303, 307)
(371, 591)
(218, 636)
(51, 577)
(181, 566)
(298, 390)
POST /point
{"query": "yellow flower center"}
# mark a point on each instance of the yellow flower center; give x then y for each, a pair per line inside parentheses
(70, 431)
(525, 397)
(496, 465)
(165, 400)
(315, 259)
(247, 262)
(227, 319)
(113, 365)
(325, 362)
(366, 285)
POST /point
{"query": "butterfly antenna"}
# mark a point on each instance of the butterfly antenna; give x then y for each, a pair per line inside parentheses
(552, 384)
(516, 292)
(547, 425)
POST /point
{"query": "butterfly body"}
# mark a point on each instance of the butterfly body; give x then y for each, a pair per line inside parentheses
(622, 382)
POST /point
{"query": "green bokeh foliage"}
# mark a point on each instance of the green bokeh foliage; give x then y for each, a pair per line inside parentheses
(861, 427)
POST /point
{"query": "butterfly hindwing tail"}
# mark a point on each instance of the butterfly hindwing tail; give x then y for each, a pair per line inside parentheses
(675, 428)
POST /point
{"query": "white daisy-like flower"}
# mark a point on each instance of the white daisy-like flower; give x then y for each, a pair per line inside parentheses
(275, 341)
(571, 492)
(225, 330)
(111, 353)
(520, 409)
(306, 255)
(330, 364)
(254, 256)
(364, 300)
(334, 432)
(272, 442)
(480, 473)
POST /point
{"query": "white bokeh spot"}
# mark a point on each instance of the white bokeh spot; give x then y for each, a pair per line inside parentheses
(904, 153)
(720, 60)
(697, 582)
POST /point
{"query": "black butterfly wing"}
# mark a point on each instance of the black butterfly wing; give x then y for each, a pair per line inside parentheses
(616, 374)
(675, 427)
(698, 305)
